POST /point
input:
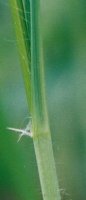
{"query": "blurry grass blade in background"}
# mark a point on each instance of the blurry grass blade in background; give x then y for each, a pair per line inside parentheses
(35, 91)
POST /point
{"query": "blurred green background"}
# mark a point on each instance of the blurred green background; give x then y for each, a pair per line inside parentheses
(64, 36)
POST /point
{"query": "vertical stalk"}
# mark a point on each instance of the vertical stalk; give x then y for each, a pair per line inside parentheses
(41, 132)
(34, 84)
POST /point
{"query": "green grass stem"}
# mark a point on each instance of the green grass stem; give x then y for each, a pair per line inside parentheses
(41, 132)
(35, 90)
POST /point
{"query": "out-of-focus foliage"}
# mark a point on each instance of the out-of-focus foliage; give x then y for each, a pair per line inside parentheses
(64, 33)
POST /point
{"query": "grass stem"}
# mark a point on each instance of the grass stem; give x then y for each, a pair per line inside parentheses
(41, 132)
(33, 72)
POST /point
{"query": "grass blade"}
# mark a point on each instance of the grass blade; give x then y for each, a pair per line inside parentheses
(23, 44)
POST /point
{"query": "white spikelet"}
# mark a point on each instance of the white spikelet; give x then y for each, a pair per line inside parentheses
(23, 132)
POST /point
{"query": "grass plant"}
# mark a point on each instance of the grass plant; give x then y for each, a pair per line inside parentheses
(29, 39)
